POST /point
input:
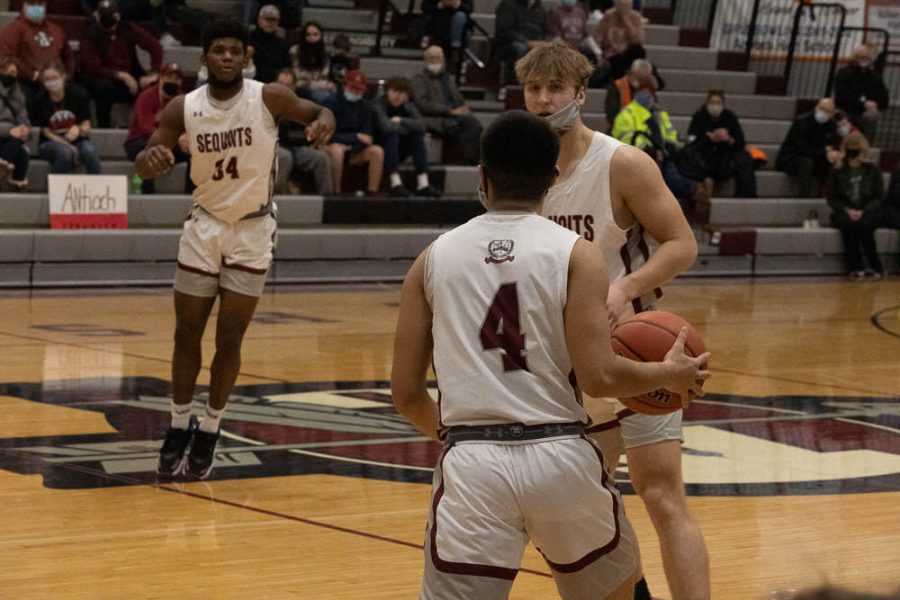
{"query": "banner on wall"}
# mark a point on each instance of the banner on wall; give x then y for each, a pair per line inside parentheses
(88, 201)
(885, 14)
(774, 23)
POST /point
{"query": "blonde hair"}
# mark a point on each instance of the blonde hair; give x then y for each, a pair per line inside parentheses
(554, 61)
(859, 141)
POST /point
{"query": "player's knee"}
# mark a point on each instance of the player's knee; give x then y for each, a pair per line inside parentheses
(376, 152)
(663, 501)
(187, 335)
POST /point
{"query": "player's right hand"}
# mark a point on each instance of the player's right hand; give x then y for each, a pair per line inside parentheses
(159, 160)
(689, 372)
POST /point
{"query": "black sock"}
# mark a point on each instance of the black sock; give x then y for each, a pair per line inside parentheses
(641, 591)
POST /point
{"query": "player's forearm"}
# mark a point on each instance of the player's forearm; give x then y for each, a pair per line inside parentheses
(624, 378)
(420, 409)
(665, 264)
(142, 166)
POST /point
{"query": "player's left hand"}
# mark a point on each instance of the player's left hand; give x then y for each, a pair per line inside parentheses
(319, 131)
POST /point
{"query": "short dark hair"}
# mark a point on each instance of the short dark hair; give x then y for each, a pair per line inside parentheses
(398, 83)
(518, 156)
(224, 28)
(719, 93)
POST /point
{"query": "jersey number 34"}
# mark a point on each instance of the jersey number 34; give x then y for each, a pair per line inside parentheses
(501, 328)
(230, 169)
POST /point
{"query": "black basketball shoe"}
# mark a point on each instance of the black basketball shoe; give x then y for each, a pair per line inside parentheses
(172, 455)
(200, 458)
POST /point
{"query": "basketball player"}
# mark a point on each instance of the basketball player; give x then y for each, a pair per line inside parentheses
(228, 239)
(508, 305)
(614, 196)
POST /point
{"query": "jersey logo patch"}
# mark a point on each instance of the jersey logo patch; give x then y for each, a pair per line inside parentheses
(500, 252)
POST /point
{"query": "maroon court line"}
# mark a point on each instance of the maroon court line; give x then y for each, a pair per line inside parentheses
(255, 509)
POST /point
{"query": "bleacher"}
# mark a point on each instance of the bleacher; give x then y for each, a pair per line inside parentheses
(351, 239)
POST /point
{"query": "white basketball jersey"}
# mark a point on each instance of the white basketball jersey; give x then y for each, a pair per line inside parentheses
(497, 291)
(583, 203)
(232, 151)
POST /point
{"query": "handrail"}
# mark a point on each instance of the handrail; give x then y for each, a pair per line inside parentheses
(383, 6)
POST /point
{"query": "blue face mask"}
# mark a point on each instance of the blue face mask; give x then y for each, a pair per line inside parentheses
(351, 97)
(645, 99)
(35, 12)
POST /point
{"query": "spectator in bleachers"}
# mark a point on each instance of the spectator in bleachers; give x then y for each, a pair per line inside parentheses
(716, 139)
(14, 127)
(312, 66)
(145, 120)
(62, 112)
(855, 195)
(342, 58)
(294, 151)
(519, 26)
(291, 11)
(620, 92)
(860, 91)
(809, 150)
(446, 114)
(892, 200)
(354, 134)
(620, 36)
(402, 134)
(109, 60)
(843, 126)
(270, 52)
(642, 123)
(34, 41)
(568, 23)
(446, 25)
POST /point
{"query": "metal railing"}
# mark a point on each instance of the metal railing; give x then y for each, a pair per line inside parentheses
(812, 48)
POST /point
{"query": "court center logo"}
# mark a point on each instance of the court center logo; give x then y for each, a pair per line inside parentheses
(734, 445)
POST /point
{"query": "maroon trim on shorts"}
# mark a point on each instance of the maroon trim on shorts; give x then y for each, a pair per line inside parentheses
(245, 269)
(598, 553)
(458, 568)
(195, 270)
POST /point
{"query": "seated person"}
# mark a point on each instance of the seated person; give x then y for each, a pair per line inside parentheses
(14, 127)
(643, 124)
(270, 52)
(620, 36)
(716, 137)
(62, 111)
(809, 149)
(446, 115)
(855, 195)
(353, 134)
(294, 151)
(109, 60)
(33, 42)
(312, 67)
(145, 120)
(445, 25)
(860, 92)
(342, 59)
(568, 24)
(519, 26)
(620, 92)
(402, 134)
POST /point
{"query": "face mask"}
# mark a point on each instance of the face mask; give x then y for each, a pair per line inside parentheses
(482, 197)
(352, 97)
(53, 85)
(843, 130)
(562, 120)
(7, 80)
(714, 110)
(852, 152)
(570, 2)
(435, 68)
(108, 21)
(645, 99)
(170, 88)
(35, 12)
(820, 116)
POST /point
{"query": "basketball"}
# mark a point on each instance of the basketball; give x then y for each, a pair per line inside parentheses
(647, 337)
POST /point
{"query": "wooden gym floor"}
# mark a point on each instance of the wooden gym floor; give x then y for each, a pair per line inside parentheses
(321, 490)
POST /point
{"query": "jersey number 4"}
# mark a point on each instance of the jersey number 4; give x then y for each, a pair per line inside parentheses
(231, 169)
(501, 328)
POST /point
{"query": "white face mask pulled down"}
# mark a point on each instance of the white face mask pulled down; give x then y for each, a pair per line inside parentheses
(563, 119)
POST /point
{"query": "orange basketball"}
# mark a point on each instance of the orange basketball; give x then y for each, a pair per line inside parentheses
(648, 337)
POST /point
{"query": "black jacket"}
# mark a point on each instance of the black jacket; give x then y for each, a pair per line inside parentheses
(871, 190)
(350, 118)
(702, 122)
(519, 21)
(410, 118)
(808, 139)
(853, 84)
(270, 55)
(892, 201)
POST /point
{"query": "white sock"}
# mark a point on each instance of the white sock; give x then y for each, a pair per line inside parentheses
(395, 180)
(422, 181)
(210, 421)
(181, 415)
